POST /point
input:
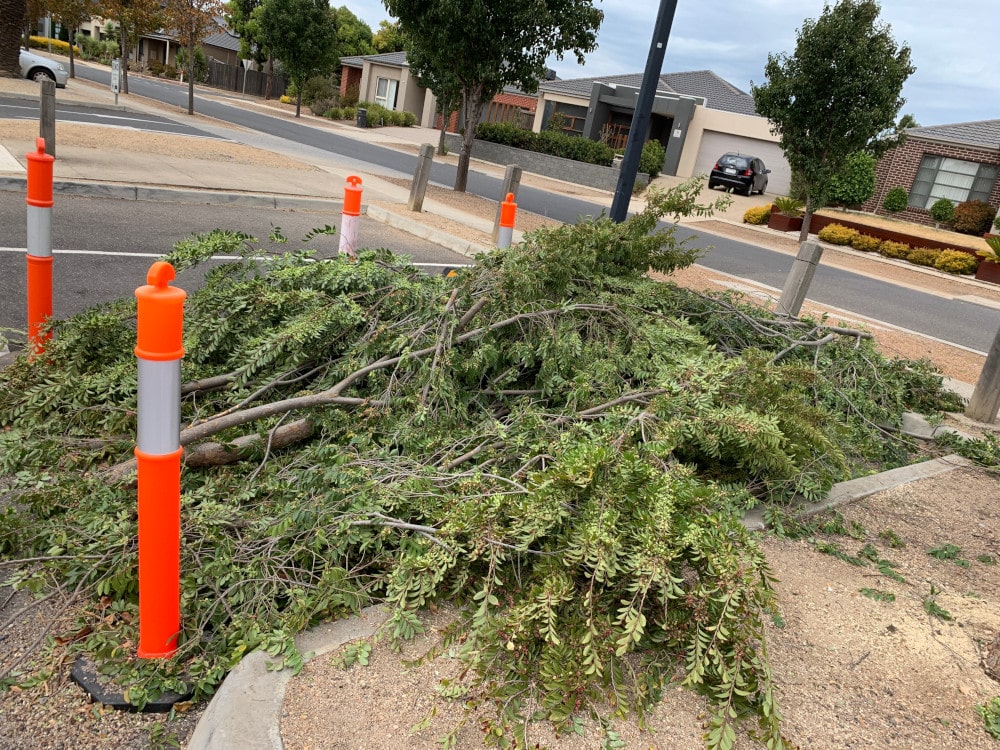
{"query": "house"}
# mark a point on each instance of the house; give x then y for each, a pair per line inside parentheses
(696, 115)
(161, 46)
(959, 162)
(386, 80)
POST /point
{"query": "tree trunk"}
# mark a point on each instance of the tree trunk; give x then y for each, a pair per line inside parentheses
(473, 111)
(124, 47)
(444, 128)
(270, 76)
(298, 99)
(806, 221)
(72, 67)
(191, 75)
(11, 19)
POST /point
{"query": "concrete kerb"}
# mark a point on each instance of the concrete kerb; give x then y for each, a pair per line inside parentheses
(245, 713)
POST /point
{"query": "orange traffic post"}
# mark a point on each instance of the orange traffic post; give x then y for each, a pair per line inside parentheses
(508, 212)
(351, 217)
(159, 350)
(39, 248)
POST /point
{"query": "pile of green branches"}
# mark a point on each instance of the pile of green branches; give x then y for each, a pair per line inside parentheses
(551, 439)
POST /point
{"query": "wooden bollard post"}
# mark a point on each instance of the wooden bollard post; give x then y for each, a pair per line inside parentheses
(419, 187)
(985, 401)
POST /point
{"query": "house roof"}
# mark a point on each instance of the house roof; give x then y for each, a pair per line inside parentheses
(717, 92)
(224, 39)
(397, 59)
(984, 133)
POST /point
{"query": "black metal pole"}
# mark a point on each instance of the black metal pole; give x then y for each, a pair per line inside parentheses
(643, 107)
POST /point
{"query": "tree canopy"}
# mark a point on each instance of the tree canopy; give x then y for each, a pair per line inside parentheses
(354, 36)
(389, 38)
(488, 44)
(302, 34)
(192, 19)
(838, 94)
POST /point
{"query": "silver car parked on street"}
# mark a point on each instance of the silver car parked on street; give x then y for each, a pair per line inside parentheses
(37, 68)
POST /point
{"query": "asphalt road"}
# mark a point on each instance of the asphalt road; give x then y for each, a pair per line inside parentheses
(17, 109)
(108, 245)
(152, 226)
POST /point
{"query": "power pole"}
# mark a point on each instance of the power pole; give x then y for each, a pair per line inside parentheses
(643, 108)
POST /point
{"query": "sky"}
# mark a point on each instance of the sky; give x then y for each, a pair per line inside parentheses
(958, 69)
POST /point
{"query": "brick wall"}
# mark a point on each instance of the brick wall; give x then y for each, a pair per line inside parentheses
(898, 168)
(349, 77)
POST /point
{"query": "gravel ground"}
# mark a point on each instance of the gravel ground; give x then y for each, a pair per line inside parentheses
(852, 672)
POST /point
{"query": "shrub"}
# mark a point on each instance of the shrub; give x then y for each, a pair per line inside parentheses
(156, 68)
(895, 200)
(334, 113)
(351, 96)
(993, 254)
(972, 217)
(996, 223)
(547, 142)
(506, 134)
(955, 261)
(318, 88)
(319, 107)
(409, 119)
(855, 183)
(837, 234)
(170, 71)
(942, 210)
(651, 161)
(892, 249)
(789, 206)
(286, 99)
(866, 243)
(58, 45)
(200, 63)
(757, 215)
(923, 256)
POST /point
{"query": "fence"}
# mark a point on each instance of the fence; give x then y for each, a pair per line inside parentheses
(234, 78)
(497, 112)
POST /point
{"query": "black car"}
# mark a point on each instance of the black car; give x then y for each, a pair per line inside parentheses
(744, 173)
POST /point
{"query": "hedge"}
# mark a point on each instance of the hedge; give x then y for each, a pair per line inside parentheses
(549, 142)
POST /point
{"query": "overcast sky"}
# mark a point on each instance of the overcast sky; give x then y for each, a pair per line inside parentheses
(953, 42)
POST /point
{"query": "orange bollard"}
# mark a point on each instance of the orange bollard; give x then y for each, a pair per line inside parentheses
(159, 350)
(39, 255)
(351, 217)
(508, 211)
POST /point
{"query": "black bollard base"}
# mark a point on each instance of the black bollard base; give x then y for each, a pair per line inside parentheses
(85, 674)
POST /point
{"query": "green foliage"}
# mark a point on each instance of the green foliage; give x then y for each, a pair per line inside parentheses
(899, 250)
(300, 33)
(932, 608)
(378, 116)
(788, 205)
(547, 142)
(895, 200)
(989, 712)
(317, 87)
(866, 243)
(389, 38)
(479, 48)
(956, 261)
(993, 251)
(836, 95)
(757, 215)
(972, 217)
(879, 595)
(855, 182)
(551, 439)
(837, 234)
(651, 160)
(200, 63)
(923, 256)
(350, 97)
(942, 210)
(949, 552)
(354, 36)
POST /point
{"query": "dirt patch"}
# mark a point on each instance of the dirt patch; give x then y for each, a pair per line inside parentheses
(852, 671)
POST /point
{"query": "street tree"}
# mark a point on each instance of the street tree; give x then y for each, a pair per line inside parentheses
(70, 14)
(303, 35)
(488, 44)
(192, 20)
(11, 17)
(134, 18)
(838, 94)
(240, 17)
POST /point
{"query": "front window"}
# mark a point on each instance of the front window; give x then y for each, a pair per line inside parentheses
(954, 179)
(385, 92)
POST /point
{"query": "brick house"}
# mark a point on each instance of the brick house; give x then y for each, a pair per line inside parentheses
(386, 80)
(960, 162)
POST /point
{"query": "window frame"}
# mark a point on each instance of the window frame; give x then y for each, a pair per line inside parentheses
(928, 187)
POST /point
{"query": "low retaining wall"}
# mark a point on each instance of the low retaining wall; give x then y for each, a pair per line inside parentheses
(820, 220)
(591, 175)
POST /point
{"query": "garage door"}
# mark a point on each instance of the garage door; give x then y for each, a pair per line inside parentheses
(714, 145)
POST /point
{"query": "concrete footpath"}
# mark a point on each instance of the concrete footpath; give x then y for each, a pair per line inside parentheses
(246, 711)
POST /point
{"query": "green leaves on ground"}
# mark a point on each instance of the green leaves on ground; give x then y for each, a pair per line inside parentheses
(552, 440)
